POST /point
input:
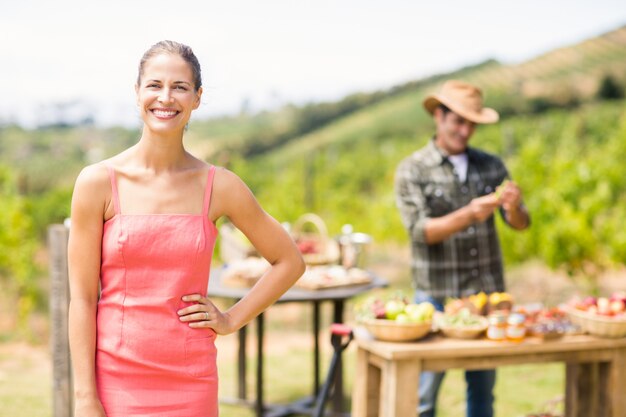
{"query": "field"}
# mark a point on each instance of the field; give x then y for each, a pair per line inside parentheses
(26, 376)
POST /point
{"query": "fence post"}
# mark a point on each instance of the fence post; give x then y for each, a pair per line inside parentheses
(62, 389)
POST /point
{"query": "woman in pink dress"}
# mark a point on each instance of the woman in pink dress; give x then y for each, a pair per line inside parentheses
(142, 327)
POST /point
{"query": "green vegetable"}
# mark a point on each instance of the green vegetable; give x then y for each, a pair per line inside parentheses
(501, 187)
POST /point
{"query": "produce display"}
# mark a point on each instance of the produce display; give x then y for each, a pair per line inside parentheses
(395, 318)
(397, 308)
(464, 318)
(462, 325)
(331, 276)
(599, 316)
(612, 306)
(312, 239)
(480, 304)
(496, 317)
(243, 273)
(547, 323)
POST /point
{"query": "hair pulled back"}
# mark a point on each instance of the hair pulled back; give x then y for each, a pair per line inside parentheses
(173, 48)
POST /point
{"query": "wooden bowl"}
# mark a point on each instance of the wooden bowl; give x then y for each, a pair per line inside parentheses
(464, 332)
(392, 331)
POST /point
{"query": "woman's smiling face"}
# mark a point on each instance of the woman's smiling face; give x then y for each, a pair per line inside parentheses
(166, 94)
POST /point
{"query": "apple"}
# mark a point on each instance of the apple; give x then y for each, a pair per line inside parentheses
(604, 306)
(380, 313)
(428, 309)
(619, 295)
(453, 306)
(590, 301)
(403, 318)
(393, 308)
(616, 306)
(415, 313)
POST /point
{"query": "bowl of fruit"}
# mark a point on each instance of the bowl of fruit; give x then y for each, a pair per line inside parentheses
(462, 325)
(396, 319)
(601, 316)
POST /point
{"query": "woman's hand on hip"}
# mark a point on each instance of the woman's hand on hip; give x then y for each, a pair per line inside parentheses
(88, 408)
(205, 315)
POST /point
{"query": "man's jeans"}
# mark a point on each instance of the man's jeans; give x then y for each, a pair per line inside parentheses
(479, 383)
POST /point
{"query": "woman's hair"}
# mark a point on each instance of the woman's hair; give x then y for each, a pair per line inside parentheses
(174, 48)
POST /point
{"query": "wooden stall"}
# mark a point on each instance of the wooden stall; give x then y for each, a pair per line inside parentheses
(387, 374)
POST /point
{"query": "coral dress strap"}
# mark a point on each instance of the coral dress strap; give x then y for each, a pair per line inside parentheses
(207, 191)
(114, 194)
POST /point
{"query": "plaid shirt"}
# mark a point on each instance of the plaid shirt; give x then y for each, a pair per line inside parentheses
(469, 261)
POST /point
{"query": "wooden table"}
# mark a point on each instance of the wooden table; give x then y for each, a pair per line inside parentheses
(387, 374)
(337, 296)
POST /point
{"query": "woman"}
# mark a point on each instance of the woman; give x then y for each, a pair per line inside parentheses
(143, 229)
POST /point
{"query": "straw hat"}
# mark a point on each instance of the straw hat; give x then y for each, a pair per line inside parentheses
(464, 99)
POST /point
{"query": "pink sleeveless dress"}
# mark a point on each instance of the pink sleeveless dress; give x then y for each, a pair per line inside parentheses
(148, 363)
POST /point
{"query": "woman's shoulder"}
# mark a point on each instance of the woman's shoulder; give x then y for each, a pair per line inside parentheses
(93, 175)
(226, 179)
(93, 184)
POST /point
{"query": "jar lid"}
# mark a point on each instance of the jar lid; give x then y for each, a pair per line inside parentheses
(516, 318)
(497, 318)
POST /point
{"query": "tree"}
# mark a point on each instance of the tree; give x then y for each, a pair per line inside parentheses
(610, 89)
(17, 246)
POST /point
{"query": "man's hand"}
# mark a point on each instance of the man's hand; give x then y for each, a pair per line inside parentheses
(483, 207)
(509, 196)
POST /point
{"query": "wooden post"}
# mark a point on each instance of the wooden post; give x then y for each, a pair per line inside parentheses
(62, 389)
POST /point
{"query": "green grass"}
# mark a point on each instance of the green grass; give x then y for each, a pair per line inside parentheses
(520, 390)
(26, 384)
(25, 381)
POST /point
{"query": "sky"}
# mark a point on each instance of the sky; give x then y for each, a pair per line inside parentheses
(266, 53)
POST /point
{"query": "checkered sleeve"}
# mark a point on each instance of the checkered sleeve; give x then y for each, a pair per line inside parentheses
(411, 201)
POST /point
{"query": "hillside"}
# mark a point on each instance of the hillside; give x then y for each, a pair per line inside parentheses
(564, 77)
(47, 157)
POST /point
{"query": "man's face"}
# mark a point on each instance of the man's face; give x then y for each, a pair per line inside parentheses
(453, 131)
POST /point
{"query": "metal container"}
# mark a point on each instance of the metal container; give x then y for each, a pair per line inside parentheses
(353, 247)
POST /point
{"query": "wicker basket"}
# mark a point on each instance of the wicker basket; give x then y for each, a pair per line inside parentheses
(393, 331)
(324, 250)
(464, 332)
(614, 327)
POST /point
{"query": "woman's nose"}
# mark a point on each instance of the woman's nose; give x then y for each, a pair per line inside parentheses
(165, 96)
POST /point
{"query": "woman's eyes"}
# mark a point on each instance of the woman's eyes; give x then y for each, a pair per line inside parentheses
(176, 87)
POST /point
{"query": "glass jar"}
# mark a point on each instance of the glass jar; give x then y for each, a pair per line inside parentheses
(516, 327)
(497, 326)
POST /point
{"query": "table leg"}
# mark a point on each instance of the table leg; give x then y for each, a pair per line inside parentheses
(582, 389)
(571, 389)
(259, 366)
(616, 389)
(399, 385)
(338, 398)
(241, 364)
(316, 348)
(366, 390)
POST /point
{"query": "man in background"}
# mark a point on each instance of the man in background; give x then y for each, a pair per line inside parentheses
(446, 194)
